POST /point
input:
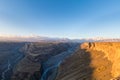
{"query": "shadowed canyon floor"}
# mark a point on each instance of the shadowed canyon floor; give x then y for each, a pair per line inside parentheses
(10, 55)
(60, 61)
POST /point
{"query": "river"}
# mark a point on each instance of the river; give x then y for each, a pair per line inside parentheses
(50, 67)
(7, 67)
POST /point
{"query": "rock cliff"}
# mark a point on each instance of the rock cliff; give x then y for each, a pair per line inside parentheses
(92, 61)
(60, 61)
(36, 53)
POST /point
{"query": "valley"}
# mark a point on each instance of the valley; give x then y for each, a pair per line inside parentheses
(59, 61)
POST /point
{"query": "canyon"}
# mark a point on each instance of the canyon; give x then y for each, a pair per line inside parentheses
(59, 61)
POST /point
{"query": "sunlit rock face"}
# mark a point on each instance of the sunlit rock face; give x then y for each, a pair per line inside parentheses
(92, 61)
(112, 53)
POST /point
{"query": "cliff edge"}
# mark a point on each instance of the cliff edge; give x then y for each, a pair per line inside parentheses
(92, 61)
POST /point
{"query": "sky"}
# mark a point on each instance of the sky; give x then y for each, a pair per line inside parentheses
(61, 18)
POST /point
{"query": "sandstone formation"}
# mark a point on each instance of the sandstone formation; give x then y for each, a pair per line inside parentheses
(93, 61)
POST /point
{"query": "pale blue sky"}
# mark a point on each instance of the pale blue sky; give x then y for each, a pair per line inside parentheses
(61, 18)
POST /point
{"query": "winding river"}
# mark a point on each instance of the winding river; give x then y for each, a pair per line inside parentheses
(6, 70)
(50, 67)
(10, 63)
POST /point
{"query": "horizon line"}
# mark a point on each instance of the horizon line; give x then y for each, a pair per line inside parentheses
(36, 36)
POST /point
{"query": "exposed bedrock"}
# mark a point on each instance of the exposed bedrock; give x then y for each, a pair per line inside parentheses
(69, 61)
(10, 55)
(29, 68)
(93, 61)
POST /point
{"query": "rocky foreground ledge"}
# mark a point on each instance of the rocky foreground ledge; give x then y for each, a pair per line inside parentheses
(92, 61)
(60, 61)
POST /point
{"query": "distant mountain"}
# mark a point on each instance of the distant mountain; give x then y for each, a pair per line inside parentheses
(98, 39)
(103, 39)
(48, 39)
(31, 39)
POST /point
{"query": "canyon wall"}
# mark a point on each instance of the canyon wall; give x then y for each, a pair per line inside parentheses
(36, 53)
(92, 61)
(112, 53)
(60, 61)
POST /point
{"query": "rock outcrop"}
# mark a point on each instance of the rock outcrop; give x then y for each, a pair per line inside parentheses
(112, 53)
(93, 61)
(29, 68)
(60, 61)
